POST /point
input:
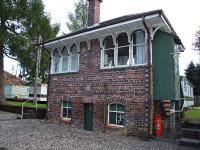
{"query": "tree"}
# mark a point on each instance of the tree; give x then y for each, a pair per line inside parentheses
(193, 75)
(79, 18)
(196, 44)
(38, 25)
(20, 21)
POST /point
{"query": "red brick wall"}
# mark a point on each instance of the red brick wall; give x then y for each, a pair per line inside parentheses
(128, 86)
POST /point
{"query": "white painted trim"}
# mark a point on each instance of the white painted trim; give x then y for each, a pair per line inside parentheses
(88, 45)
(161, 16)
(65, 118)
(116, 48)
(100, 29)
(153, 32)
(114, 125)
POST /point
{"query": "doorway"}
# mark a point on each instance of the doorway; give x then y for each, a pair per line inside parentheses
(88, 118)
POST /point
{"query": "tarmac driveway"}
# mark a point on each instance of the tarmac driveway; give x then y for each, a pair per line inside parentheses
(38, 134)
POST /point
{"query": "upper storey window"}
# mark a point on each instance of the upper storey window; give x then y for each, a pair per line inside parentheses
(123, 49)
(65, 59)
(56, 61)
(108, 52)
(139, 50)
(74, 58)
(67, 62)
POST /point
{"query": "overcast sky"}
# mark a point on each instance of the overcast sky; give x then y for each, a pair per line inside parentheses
(184, 16)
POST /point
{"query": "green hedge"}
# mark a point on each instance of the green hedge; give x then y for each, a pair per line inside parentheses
(27, 104)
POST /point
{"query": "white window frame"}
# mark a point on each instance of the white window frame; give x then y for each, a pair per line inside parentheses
(104, 50)
(67, 107)
(108, 115)
(117, 49)
(135, 45)
(53, 66)
(70, 59)
(62, 60)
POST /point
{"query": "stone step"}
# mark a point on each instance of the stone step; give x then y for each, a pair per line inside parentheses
(189, 141)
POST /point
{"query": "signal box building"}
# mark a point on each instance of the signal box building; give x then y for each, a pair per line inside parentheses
(115, 74)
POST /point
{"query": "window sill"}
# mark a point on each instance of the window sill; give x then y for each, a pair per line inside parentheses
(124, 67)
(66, 119)
(113, 126)
(64, 73)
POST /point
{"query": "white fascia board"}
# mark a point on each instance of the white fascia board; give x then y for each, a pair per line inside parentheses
(168, 26)
(101, 29)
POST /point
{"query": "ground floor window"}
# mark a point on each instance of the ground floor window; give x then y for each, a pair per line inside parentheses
(116, 114)
(66, 110)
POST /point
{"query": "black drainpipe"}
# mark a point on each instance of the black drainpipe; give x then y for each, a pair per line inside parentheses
(104, 105)
(149, 74)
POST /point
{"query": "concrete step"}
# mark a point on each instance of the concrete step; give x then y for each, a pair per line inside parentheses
(190, 129)
(28, 116)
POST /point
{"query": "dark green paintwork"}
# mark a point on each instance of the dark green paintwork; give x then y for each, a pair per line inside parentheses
(88, 125)
(165, 69)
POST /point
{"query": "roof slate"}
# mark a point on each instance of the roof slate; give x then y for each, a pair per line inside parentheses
(120, 20)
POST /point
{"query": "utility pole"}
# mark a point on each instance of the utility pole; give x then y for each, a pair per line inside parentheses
(37, 69)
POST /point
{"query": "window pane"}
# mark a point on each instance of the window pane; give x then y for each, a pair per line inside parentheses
(69, 104)
(120, 118)
(139, 52)
(109, 58)
(108, 42)
(140, 37)
(64, 113)
(113, 107)
(56, 61)
(74, 62)
(120, 107)
(74, 50)
(122, 40)
(134, 55)
(69, 113)
(112, 118)
(64, 59)
(65, 63)
(56, 64)
(123, 56)
(65, 104)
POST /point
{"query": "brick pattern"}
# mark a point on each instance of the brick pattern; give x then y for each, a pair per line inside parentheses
(94, 12)
(128, 86)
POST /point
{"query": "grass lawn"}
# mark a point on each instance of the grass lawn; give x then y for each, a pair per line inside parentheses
(192, 115)
(27, 104)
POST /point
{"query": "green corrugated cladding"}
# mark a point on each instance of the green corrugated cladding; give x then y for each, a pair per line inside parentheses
(165, 67)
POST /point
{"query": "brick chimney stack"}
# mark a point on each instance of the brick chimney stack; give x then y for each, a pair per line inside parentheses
(94, 12)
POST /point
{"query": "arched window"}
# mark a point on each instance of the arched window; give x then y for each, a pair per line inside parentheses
(56, 61)
(139, 50)
(108, 51)
(116, 114)
(123, 49)
(74, 58)
(65, 58)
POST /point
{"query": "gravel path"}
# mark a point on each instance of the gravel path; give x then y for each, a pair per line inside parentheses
(36, 134)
